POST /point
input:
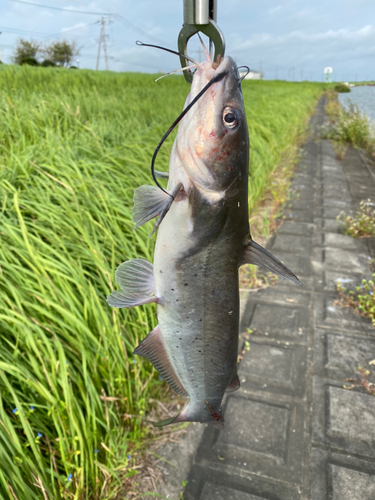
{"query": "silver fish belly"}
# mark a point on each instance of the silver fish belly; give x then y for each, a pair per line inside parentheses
(203, 238)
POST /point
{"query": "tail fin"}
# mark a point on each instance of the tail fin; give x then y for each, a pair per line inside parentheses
(202, 416)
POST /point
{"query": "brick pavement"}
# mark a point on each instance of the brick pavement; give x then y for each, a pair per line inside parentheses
(292, 430)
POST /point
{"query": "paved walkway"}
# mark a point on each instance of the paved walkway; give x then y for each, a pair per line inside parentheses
(292, 430)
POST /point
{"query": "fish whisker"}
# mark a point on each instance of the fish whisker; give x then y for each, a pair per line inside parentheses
(176, 71)
(141, 44)
(208, 56)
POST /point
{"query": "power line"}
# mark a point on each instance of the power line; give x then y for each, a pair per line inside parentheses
(136, 28)
(64, 10)
(18, 31)
(21, 31)
(62, 33)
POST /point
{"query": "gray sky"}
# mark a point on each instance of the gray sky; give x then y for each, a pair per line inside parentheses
(277, 36)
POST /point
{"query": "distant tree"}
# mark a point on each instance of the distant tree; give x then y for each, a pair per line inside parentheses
(61, 52)
(25, 50)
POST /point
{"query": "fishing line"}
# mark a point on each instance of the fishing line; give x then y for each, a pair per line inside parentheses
(247, 72)
(215, 79)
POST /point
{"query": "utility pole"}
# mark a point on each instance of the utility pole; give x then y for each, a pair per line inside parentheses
(102, 38)
(260, 67)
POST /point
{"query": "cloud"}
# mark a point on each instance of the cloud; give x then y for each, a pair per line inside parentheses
(303, 14)
(274, 10)
(77, 26)
(343, 34)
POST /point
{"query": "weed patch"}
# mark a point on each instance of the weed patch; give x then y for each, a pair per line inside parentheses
(362, 224)
(348, 126)
(362, 300)
(363, 381)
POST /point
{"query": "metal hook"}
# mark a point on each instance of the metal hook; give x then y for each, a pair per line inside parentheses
(200, 15)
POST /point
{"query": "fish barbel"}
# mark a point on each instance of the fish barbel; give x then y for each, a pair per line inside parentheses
(203, 239)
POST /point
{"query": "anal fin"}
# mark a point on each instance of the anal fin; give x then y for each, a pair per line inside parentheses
(152, 348)
(136, 280)
(259, 256)
(234, 384)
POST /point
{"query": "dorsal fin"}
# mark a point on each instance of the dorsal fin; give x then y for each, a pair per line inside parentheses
(152, 348)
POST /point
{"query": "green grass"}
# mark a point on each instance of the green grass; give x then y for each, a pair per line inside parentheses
(73, 147)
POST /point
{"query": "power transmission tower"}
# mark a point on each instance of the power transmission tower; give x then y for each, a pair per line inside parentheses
(102, 39)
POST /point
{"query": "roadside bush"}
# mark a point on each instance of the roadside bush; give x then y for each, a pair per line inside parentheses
(348, 126)
(47, 62)
(342, 88)
(31, 61)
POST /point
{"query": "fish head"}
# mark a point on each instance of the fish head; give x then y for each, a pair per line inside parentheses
(212, 141)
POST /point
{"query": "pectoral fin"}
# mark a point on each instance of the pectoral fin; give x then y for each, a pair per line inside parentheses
(150, 202)
(259, 256)
(152, 348)
(136, 280)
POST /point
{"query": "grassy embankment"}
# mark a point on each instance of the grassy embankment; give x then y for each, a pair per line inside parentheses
(73, 147)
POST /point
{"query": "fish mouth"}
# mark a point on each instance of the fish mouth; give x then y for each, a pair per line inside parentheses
(209, 70)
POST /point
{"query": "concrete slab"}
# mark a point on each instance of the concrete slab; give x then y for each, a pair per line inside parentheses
(296, 228)
(343, 419)
(339, 356)
(217, 492)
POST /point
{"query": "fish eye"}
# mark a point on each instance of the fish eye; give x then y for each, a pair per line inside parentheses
(231, 118)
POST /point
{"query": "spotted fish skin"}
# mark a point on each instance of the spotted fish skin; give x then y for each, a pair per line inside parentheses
(201, 243)
(203, 238)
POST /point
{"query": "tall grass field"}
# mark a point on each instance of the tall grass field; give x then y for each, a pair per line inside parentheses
(73, 147)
